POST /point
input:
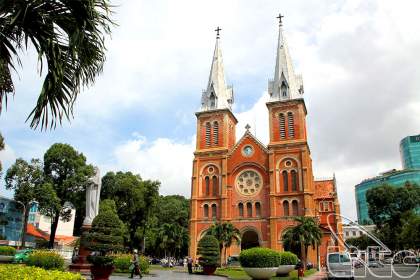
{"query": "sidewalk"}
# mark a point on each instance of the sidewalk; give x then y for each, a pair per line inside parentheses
(320, 275)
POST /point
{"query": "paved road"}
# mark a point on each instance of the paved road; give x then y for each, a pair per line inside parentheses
(165, 274)
(405, 272)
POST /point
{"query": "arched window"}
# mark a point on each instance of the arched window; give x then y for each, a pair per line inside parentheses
(286, 208)
(282, 126)
(291, 125)
(215, 133)
(293, 173)
(241, 209)
(285, 181)
(206, 211)
(295, 208)
(283, 89)
(208, 133)
(207, 187)
(214, 211)
(212, 101)
(215, 186)
(249, 209)
(258, 209)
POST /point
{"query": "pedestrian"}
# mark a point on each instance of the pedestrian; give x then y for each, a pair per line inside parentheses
(189, 265)
(134, 267)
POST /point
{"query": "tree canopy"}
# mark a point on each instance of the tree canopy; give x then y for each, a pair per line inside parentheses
(393, 210)
(66, 171)
(1, 148)
(69, 38)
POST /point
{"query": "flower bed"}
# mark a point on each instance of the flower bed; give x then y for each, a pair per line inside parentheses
(7, 251)
(46, 259)
(34, 273)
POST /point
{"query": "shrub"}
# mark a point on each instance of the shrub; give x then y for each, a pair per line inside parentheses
(288, 258)
(122, 263)
(34, 273)
(45, 259)
(106, 236)
(259, 257)
(7, 251)
(208, 249)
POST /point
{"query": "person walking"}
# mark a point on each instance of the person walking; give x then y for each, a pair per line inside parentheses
(189, 265)
(134, 267)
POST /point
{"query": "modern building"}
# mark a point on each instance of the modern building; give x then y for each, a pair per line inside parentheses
(410, 156)
(11, 215)
(410, 152)
(259, 188)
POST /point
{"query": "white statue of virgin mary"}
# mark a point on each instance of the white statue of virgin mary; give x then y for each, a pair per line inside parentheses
(93, 192)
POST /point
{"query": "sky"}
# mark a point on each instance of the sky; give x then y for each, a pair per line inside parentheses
(359, 60)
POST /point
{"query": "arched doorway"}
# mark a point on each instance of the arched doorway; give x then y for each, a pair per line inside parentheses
(249, 240)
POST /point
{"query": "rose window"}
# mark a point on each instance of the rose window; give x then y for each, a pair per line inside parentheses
(248, 182)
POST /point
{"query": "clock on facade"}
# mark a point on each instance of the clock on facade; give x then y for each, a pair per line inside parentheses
(248, 151)
(248, 182)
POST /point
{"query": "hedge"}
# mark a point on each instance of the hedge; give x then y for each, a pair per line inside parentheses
(208, 249)
(288, 258)
(45, 259)
(122, 263)
(259, 257)
(7, 251)
(8, 272)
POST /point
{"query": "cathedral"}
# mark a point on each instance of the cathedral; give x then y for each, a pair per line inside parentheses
(258, 188)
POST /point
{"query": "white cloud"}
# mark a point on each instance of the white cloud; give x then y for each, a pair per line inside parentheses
(162, 159)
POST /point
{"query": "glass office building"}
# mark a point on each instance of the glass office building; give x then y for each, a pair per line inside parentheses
(10, 219)
(410, 156)
(410, 152)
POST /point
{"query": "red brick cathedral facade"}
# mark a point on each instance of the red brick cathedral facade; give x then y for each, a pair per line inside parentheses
(258, 188)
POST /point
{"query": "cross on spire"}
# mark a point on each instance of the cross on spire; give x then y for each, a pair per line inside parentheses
(247, 127)
(218, 32)
(280, 19)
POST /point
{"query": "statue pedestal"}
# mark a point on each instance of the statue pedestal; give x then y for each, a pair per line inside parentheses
(80, 264)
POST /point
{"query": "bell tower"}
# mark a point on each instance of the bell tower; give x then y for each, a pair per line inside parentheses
(291, 181)
(215, 137)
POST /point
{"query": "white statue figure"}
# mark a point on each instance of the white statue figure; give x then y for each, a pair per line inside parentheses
(93, 192)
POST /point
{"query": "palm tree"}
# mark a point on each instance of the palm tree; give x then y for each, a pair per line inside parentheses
(306, 233)
(1, 145)
(226, 233)
(68, 37)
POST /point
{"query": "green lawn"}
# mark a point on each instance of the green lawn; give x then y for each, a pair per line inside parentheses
(239, 274)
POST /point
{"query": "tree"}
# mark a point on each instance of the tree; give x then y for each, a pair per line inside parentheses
(208, 250)
(387, 207)
(25, 179)
(68, 174)
(306, 233)
(135, 200)
(69, 38)
(1, 148)
(226, 233)
(410, 231)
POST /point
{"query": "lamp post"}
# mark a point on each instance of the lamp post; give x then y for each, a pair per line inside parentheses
(23, 219)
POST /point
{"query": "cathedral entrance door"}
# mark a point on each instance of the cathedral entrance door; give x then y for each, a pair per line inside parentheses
(249, 240)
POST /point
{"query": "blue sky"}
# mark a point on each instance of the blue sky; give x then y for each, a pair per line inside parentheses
(359, 61)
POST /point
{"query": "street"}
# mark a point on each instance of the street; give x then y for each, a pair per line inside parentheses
(404, 272)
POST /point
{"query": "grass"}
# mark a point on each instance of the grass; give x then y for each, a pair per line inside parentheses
(239, 274)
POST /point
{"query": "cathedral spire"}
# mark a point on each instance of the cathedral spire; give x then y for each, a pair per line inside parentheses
(217, 95)
(285, 84)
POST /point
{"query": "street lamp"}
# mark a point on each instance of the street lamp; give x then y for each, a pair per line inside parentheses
(23, 219)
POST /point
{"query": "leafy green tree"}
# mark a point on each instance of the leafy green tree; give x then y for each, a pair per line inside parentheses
(69, 38)
(226, 233)
(306, 233)
(410, 231)
(387, 207)
(25, 179)
(68, 174)
(361, 242)
(135, 200)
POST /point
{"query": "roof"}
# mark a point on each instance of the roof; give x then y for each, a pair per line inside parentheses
(249, 135)
(60, 239)
(388, 174)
